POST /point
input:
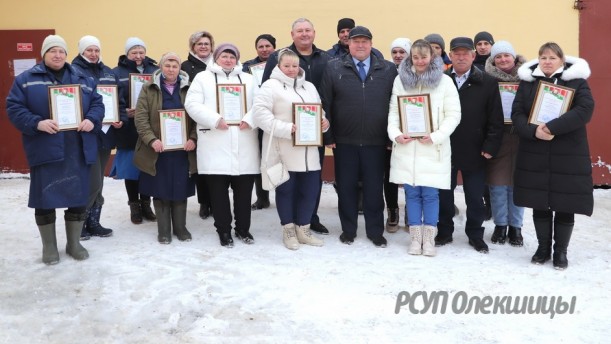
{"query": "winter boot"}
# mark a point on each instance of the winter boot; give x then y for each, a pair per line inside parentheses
(392, 221)
(415, 247)
(499, 235)
(562, 236)
(147, 212)
(304, 236)
(428, 240)
(205, 211)
(164, 222)
(46, 226)
(262, 201)
(85, 235)
(93, 223)
(289, 237)
(74, 226)
(179, 220)
(543, 227)
(135, 212)
(515, 236)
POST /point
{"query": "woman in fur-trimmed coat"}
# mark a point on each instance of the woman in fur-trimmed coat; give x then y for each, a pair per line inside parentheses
(423, 164)
(503, 65)
(553, 168)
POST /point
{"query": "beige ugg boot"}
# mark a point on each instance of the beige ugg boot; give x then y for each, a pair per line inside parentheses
(415, 246)
(304, 236)
(289, 238)
(428, 240)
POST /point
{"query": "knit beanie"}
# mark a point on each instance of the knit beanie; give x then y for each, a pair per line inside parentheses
(226, 47)
(436, 38)
(53, 41)
(502, 47)
(169, 56)
(483, 36)
(87, 41)
(267, 37)
(403, 43)
(345, 23)
(132, 42)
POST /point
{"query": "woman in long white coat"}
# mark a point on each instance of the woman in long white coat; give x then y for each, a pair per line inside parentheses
(227, 155)
(273, 110)
(423, 164)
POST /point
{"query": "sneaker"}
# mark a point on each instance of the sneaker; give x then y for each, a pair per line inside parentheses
(379, 241)
(479, 245)
(346, 239)
(319, 228)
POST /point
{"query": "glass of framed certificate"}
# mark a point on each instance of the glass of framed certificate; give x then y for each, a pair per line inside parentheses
(173, 124)
(136, 81)
(415, 115)
(508, 92)
(65, 106)
(231, 102)
(110, 98)
(257, 71)
(551, 102)
(308, 120)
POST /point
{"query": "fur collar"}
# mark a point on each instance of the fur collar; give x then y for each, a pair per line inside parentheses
(216, 69)
(277, 74)
(182, 75)
(430, 78)
(575, 68)
(500, 75)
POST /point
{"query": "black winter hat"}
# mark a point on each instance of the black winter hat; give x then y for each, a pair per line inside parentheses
(267, 37)
(345, 23)
(483, 36)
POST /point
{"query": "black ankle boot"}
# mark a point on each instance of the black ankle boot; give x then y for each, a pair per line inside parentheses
(562, 236)
(543, 227)
(226, 239)
(515, 236)
(499, 235)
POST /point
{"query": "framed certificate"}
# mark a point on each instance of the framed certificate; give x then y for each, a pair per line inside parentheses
(231, 102)
(257, 71)
(415, 115)
(110, 98)
(308, 120)
(551, 102)
(136, 81)
(173, 125)
(65, 106)
(508, 94)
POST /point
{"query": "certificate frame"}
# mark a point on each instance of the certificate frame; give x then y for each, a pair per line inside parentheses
(509, 89)
(300, 110)
(73, 95)
(228, 94)
(257, 72)
(110, 94)
(179, 115)
(559, 93)
(134, 92)
(420, 100)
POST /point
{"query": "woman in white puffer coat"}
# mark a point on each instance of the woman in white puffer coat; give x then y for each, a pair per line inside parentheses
(228, 155)
(423, 165)
(273, 109)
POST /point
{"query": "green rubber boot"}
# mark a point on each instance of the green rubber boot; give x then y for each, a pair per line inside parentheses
(74, 225)
(46, 226)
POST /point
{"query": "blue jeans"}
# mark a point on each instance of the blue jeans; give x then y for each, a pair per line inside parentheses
(422, 203)
(504, 211)
(296, 198)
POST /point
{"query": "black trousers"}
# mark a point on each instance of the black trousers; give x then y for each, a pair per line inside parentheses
(218, 186)
(391, 190)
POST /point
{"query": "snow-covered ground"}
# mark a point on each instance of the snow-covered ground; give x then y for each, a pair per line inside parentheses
(134, 290)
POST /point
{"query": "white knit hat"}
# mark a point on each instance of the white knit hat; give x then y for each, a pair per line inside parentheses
(53, 41)
(502, 47)
(87, 41)
(132, 42)
(403, 43)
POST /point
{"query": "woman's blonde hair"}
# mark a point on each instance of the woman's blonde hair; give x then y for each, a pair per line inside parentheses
(287, 53)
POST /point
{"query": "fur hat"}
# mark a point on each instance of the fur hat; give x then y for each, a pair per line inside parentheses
(436, 38)
(345, 23)
(226, 47)
(53, 41)
(132, 42)
(483, 36)
(403, 43)
(502, 47)
(87, 41)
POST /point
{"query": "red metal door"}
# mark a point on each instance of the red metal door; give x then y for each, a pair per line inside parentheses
(18, 49)
(594, 33)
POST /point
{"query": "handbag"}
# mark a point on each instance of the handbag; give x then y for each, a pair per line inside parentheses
(273, 176)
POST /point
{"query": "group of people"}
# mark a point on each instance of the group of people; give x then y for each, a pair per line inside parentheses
(493, 143)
